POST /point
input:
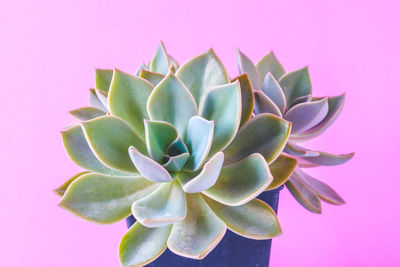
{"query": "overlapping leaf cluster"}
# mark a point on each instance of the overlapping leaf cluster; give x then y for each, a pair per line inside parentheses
(177, 147)
(289, 96)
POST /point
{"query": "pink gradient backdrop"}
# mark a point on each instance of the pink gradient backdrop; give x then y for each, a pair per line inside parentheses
(50, 48)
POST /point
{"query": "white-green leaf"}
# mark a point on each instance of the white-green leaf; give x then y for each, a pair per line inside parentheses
(160, 62)
(255, 219)
(247, 97)
(202, 73)
(86, 113)
(199, 232)
(241, 182)
(102, 96)
(159, 135)
(172, 102)
(153, 77)
(94, 101)
(206, 178)
(142, 245)
(176, 163)
(61, 189)
(103, 79)
(247, 66)
(127, 99)
(296, 84)
(222, 105)
(166, 205)
(266, 134)
(78, 150)
(198, 140)
(109, 138)
(105, 199)
(149, 168)
(270, 63)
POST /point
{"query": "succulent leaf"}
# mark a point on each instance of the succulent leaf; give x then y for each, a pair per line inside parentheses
(255, 219)
(335, 104)
(269, 63)
(198, 140)
(281, 169)
(127, 99)
(94, 101)
(266, 134)
(263, 104)
(142, 245)
(86, 113)
(159, 135)
(206, 178)
(202, 73)
(78, 150)
(160, 62)
(153, 77)
(172, 102)
(301, 99)
(173, 64)
(149, 168)
(199, 232)
(296, 84)
(324, 191)
(61, 189)
(141, 67)
(176, 163)
(222, 105)
(306, 115)
(327, 159)
(275, 92)
(103, 79)
(109, 138)
(247, 66)
(299, 151)
(102, 96)
(241, 182)
(247, 97)
(105, 199)
(303, 194)
(166, 205)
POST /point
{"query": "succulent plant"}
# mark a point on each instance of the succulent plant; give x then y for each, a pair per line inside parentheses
(165, 146)
(289, 96)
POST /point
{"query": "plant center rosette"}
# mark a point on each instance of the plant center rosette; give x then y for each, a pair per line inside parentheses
(177, 147)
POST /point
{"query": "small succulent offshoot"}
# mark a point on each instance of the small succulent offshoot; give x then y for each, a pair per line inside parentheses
(165, 145)
(289, 96)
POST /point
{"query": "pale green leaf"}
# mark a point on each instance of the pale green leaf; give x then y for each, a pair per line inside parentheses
(266, 134)
(166, 205)
(222, 105)
(198, 140)
(241, 182)
(127, 99)
(202, 73)
(109, 138)
(172, 102)
(199, 232)
(149, 168)
(255, 219)
(105, 199)
(142, 245)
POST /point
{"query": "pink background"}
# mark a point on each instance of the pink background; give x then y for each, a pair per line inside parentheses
(50, 48)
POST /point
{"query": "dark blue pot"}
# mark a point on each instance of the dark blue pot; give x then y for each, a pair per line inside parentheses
(233, 250)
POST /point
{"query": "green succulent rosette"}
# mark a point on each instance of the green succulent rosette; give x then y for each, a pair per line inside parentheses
(165, 146)
(289, 96)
